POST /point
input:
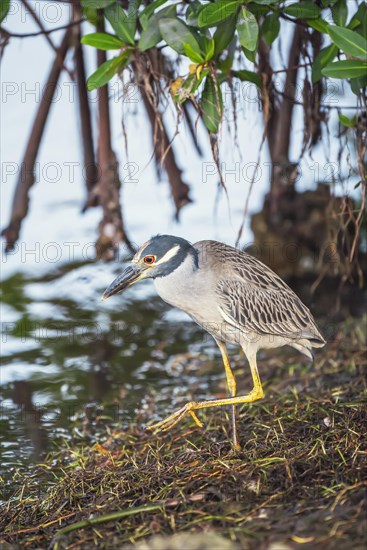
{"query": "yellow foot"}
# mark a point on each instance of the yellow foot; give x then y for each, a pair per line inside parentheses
(173, 419)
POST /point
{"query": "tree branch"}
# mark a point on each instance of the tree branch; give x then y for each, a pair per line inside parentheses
(165, 155)
(148, 70)
(90, 167)
(8, 34)
(281, 123)
(26, 177)
(111, 227)
(48, 39)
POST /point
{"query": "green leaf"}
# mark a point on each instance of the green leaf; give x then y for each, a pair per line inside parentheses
(193, 54)
(325, 56)
(176, 34)
(107, 70)
(217, 12)
(349, 42)
(91, 14)
(225, 63)
(248, 76)
(264, 2)
(120, 23)
(319, 25)
(224, 34)
(345, 69)
(209, 48)
(212, 104)
(358, 84)
(339, 12)
(270, 28)
(248, 30)
(96, 4)
(151, 35)
(149, 10)
(132, 14)
(346, 121)
(303, 10)
(102, 41)
(258, 11)
(192, 13)
(4, 8)
(359, 20)
(251, 56)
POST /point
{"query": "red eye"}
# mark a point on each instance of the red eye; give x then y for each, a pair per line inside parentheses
(149, 260)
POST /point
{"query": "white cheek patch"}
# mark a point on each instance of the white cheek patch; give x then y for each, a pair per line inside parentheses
(168, 255)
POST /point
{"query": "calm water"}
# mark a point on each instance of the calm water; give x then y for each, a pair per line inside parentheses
(69, 360)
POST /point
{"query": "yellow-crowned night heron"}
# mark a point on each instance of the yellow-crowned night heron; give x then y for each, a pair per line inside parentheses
(231, 295)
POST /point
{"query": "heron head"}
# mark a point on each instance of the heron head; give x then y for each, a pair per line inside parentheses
(158, 257)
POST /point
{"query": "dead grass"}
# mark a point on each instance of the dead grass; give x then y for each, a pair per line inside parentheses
(299, 479)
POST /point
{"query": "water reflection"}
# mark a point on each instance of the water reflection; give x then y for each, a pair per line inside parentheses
(31, 416)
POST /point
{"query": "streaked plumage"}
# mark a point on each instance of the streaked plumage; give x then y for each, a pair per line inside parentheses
(232, 295)
(256, 300)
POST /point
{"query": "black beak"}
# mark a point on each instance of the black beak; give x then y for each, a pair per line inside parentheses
(130, 276)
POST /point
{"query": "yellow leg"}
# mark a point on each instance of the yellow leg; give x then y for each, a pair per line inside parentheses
(232, 386)
(256, 393)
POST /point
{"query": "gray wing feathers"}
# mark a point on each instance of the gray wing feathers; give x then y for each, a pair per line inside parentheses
(266, 311)
(254, 298)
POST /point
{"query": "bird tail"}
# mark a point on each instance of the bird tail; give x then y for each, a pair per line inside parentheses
(305, 345)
